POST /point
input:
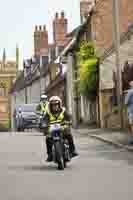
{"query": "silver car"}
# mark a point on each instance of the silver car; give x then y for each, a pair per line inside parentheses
(25, 117)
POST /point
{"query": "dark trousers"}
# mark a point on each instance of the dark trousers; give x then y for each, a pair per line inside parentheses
(68, 136)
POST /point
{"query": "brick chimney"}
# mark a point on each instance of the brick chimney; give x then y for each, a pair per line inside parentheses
(60, 25)
(40, 41)
(85, 8)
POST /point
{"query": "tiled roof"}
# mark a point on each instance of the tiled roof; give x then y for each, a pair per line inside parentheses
(22, 81)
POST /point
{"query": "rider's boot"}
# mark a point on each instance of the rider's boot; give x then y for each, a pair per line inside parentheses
(49, 144)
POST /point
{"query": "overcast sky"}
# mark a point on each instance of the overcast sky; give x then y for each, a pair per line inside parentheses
(18, 18)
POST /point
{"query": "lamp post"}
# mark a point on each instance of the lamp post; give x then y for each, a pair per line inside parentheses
(116, 34)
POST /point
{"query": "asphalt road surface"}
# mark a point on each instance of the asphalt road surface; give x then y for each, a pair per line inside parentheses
(101, 172)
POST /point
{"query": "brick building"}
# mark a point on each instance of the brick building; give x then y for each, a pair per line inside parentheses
(102, 21)
(102, 33)
(97, 24)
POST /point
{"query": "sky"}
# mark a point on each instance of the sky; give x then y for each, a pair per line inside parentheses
(19, 17)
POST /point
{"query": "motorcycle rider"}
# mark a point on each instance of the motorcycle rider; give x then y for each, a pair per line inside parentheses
(42, 106)
(57, 113)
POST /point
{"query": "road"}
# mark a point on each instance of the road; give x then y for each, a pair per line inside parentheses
(101, 172)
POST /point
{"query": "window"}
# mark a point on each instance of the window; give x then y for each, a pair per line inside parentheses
(2, 91)
(3, 108)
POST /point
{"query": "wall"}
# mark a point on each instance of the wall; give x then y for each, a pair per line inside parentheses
(20, 97)
(35, 91)
(102, 21)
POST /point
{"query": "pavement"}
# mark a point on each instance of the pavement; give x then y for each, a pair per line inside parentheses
(119, 138)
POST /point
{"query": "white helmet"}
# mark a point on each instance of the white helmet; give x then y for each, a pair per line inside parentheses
(19, 109)
(55, 100)
(44, 97)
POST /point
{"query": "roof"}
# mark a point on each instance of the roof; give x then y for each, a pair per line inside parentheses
(19, 83)
(75, 34)
(74, 31)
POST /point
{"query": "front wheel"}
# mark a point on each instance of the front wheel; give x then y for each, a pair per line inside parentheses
(59, 155)
(61, 164)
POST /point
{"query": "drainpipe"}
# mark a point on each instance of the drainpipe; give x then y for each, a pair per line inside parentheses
(116, 35)
(70, 89)
(26, 97)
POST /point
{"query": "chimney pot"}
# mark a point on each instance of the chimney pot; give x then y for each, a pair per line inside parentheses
(56, 14)
(40, 27)
(36, 28)
(44, 27)
(62, 14)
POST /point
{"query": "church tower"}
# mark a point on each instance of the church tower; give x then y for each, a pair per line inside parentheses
(7, 76)
(4, 58)
(17, 57)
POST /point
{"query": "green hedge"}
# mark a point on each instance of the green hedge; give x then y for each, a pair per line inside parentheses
(88, 64)
(5, 126)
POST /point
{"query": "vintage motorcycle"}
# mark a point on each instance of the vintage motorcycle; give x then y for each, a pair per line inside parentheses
(60, 149)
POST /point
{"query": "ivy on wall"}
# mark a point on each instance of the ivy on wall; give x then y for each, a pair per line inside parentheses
(88, 64)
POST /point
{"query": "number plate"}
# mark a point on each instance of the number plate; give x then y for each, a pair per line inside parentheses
(55, 127)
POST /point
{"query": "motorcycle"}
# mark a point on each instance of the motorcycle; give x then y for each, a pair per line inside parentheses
(60, 149)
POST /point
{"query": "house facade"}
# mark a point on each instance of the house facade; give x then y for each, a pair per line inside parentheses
(101, 29)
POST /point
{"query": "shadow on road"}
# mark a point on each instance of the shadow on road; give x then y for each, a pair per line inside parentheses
(33, 167)
(28, 134)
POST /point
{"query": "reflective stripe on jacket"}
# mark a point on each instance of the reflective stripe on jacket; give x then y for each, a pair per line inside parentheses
(43, 107)
(54, 118)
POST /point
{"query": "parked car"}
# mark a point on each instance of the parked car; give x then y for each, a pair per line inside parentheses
(25, 117)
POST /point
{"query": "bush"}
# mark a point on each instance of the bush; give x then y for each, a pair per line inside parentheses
(88, 63)
(4, 127)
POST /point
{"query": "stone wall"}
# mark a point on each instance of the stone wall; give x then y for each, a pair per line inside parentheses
(108, 117)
